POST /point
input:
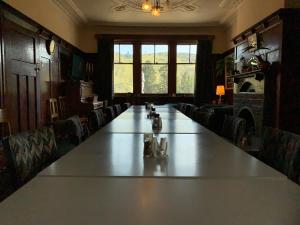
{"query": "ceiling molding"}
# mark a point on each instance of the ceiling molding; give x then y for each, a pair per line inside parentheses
(151, 25)
(71, 10)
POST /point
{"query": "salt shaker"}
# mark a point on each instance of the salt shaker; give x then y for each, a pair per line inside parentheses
(157, 122)
(155, 147)
(163, 146)
(148, 139)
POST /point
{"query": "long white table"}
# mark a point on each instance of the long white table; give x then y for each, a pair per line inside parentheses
(148, 201)
(105, 180)
(189, 155)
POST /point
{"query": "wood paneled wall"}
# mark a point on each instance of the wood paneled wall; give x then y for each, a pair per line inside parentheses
(29, 75)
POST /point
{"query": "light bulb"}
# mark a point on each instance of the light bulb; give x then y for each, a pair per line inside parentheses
(146, 5)
(156, 11)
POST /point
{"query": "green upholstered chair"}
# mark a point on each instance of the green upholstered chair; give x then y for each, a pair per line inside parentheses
(281, 150)
(125, 106)
(29, 152)
(96, 120)
(234, 129)
(117, 109)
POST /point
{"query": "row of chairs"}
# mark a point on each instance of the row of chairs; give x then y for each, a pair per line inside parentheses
(218, 118)
(100, 117)
(279, 149)
(29, 152)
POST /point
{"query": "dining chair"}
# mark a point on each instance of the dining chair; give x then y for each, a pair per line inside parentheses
(109, 113)
(96, 120)
(234, 129)
(53, 106)
(4, 120)
(29, 152)
(125, 106)
(117, 109)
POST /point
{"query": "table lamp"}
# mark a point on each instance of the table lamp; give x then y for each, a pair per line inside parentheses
(220, 91)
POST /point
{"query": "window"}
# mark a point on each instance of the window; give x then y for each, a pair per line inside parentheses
(155, 59)
(185, 68)
(123, 68)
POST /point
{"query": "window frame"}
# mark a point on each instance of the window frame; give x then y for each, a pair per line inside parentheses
(154, 63)
(189, 63)
(121, 63)
(172, 41)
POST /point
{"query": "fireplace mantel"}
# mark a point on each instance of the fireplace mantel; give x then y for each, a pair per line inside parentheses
(257, 74)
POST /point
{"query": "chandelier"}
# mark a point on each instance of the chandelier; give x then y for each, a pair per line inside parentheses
(155, 7)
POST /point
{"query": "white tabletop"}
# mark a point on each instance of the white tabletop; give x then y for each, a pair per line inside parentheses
(130, 201)
(105, 180)
(159, 109)
(119, 125)
(142, 115)
(189, 155)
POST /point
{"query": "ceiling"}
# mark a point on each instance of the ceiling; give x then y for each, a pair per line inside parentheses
(103, 12)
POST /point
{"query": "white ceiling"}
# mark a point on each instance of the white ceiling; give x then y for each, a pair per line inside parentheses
(101, 12)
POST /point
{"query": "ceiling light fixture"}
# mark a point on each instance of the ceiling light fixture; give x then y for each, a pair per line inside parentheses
(147, 5)
(155, 7)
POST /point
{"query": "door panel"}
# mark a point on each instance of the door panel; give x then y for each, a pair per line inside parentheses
(21, 97)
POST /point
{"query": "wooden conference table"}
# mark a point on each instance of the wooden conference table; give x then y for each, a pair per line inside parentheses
(105, 180)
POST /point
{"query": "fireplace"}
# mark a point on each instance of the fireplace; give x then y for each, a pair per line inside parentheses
(248, 102)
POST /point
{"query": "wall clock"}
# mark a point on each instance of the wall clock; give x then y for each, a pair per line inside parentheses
(50, 45)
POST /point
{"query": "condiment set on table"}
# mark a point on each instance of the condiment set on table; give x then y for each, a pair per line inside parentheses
(156, 119)
(151, 146)
(153, 149)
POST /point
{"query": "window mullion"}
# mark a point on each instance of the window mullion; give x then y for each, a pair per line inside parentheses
(172, 69)
(137, 71)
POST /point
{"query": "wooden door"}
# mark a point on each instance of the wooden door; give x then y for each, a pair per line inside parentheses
(21, 74)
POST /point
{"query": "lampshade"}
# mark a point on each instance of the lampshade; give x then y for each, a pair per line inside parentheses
(220, 90)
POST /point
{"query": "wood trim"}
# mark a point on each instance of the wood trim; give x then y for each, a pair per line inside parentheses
(2, 64)
(172, 69)
(274, 18)
(154, 38)
(137, 70)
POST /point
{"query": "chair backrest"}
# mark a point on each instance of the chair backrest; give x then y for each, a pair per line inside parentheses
(189, 110)
(294, 165)
(194, 112)
(109, 113)
(62, 107)
(79, 131)
(183, 108)
(96, 120)
(117, 109)
(233, 129)
(205, 118)
(281, 150)
(29, 152)
(125, 106)
(53, 107)
(4, 120)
